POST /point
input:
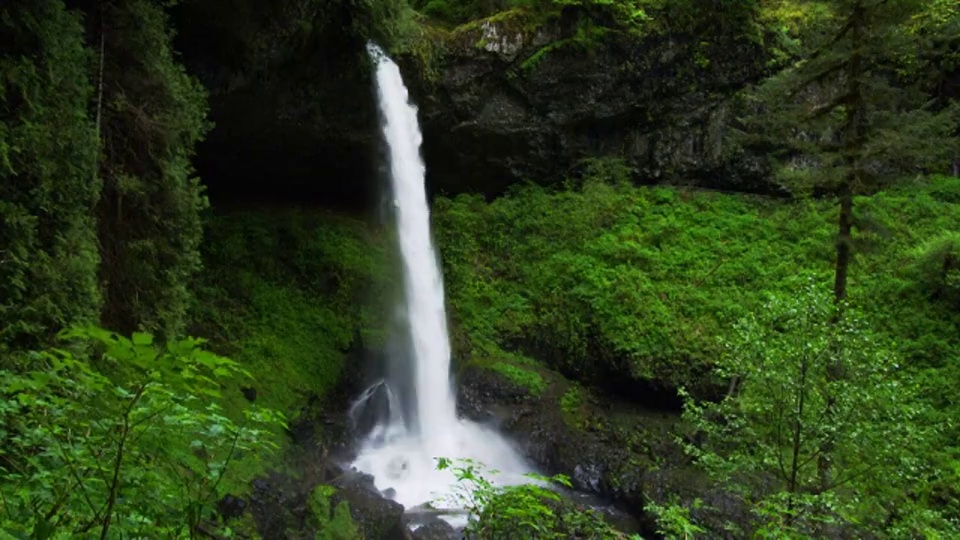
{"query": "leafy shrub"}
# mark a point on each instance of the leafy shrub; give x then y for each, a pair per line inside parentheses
(129, 442)
(819, 426)
(674, 521)
(332, 522)
(938, 268)
(610, 281)
(528, 511)
(572, 400)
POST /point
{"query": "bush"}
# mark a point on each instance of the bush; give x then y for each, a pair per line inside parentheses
(938, 268)
(527, 511)
(128, 442)
(820, 425)
(607, 281)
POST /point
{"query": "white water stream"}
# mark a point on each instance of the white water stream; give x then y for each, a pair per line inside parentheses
(401, 453)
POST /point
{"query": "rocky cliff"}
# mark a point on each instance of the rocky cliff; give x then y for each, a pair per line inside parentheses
(522, 97)
(519, 96)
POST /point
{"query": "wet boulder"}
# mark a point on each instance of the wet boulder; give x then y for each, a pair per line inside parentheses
(377, 516)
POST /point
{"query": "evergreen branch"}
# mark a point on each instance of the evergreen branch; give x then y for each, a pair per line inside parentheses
(820, 111)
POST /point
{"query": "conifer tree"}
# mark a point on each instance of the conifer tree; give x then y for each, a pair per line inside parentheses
(48, 183)
(849, 124)
(153, 115)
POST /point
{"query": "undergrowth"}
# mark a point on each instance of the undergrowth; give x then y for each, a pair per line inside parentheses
(289, 293)
(641, 282)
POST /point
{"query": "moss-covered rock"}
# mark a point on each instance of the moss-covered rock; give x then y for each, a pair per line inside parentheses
(524, 93)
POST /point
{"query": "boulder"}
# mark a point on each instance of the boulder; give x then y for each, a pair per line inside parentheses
(377, 516)
(436, 530)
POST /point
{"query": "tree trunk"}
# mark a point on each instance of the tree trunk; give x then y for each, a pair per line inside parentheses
(854, 136)
(844, 241)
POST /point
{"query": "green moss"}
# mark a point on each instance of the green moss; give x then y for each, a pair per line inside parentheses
(428, 45)
(519, 370)
(243, 527)
(527, 378)
(573, 404)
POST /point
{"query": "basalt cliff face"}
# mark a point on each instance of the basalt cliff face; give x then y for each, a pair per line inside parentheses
(515, 97)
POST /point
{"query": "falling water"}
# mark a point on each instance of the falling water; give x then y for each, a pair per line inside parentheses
(400, 452)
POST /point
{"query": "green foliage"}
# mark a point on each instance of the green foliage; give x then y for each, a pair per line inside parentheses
(48, 184)
(572, 400)
(153, 115)
(528, 511)
(129, 442)
(388, 22)
(608, 281)
(938, 268)
(845, 122)
(331, 522)
(608, 278)
(673, 520)
(804, 447)
(287, 293)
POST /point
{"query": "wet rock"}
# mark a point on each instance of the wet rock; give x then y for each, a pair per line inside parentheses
(616, 451)
(355, 479)
(436, 530)
(377, 516)
(370, 409)
(486, 396)
(512, 100)
(277, 506)
(231, 507)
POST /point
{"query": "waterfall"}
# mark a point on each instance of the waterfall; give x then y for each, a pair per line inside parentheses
(400, 452)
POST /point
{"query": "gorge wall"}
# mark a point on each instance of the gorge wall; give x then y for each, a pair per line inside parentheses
(523, 95)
